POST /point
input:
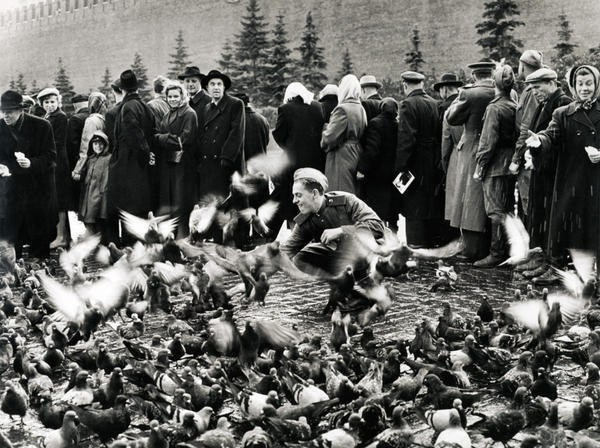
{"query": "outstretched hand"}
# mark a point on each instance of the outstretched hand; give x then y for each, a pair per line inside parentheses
(533, 141)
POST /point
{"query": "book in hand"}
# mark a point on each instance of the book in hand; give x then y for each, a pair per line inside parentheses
(403, 181)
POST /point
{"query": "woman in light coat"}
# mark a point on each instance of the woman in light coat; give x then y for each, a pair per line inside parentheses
(94, 122)
(341, 137)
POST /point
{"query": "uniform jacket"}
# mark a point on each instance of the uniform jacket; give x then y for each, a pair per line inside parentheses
(33, 204)
(339, 209)
(257, 133)
(575, 203)
(221, 130)
(498, 137)
(341, 143)
(468, 110)
(418, 151)
(129, 174)
(371, 106)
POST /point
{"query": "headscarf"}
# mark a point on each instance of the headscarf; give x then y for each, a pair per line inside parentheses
(389, 106)
(96, 101)
(170, 85)
(297, 89)
(504, 78)
(571, 81)
(349, 88)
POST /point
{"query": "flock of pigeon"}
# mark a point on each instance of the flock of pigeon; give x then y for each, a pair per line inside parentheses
(207, 380)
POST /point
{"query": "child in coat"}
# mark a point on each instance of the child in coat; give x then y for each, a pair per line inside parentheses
(92, 206)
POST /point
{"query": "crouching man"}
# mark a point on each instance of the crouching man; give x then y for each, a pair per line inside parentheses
(324, 223)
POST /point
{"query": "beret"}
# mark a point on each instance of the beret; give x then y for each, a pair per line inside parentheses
(504, 77)
(542, 74)
(311, 175)
(79, 98)
(533, 58)
(412, 76)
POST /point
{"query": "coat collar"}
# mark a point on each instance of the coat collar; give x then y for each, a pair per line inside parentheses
(132, 96)
(484, 83)
(214, 110)
(589, 119)
(198, 97)
(416, 92)
(375, 96)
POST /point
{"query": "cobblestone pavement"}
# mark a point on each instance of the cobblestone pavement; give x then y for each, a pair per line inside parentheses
(301, 303)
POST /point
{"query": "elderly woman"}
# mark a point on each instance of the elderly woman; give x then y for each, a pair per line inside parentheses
(574, 133)
(341, 137)
(50, 99)
(94, 122)
(176, 136)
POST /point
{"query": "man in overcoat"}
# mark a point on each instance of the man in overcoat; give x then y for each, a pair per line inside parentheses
(29, 195)
(370, 97)
(469, 210)
(74, 132)
(257, 133)
(494, 155)
(221, 129)
(418, 151)
(129, 173)
(192, 81)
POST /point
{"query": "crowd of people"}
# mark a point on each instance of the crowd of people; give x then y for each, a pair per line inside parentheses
(460, 158)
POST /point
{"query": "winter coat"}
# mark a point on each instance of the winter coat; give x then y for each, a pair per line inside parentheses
(62, 174)
(74, 131)
(257, 133)
(418, 151)
(377, 165)
(298, 133)
(498, 137)
(328, 103)
(159, 108)
(129, 173)
(574, 222)
(199, 102)
(468, 109)
(341, 142)
(94, 175)
(33, 202)
(109, 123)
(543, 174)
(95, 122)
(523, 120)
(371, 106)
(176, 132)
(221, 145)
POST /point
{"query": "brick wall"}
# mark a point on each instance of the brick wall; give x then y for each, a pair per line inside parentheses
(107, 33)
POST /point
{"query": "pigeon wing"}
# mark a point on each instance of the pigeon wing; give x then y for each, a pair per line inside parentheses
(64, 299)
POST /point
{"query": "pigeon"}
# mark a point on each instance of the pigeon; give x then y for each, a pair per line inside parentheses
(65, 437)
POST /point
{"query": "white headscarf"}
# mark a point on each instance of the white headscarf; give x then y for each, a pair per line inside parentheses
(297, 89)
(349, 88)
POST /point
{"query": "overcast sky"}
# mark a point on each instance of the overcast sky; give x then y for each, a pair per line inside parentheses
(9, 4)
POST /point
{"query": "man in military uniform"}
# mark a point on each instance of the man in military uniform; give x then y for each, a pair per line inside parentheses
(418, 151)
(494, 155)
(469, 210)
(324, 222)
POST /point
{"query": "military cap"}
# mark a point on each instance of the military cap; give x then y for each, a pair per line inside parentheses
(311, 175)
(411, 76)
(482, 67)
(533, 58)
(79, 98)
(542, 74)
(504, 77)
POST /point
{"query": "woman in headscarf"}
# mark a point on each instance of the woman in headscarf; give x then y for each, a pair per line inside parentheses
(298, 133)
(341, 137)
(98, 106)
(377, 162)
(176, 136)
(574, 133)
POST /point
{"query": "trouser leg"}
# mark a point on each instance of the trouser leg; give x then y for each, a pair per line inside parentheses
(498, 200)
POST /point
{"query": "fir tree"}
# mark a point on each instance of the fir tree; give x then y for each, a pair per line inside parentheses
(280, 62)
(251, 53)
(414, 58)
(312, 61)
(20, 85)
(347, 64)
(180, 59)
(565, 57)
(12, 85)
(33, 88)
(63, 83)
(227, 62)
(106, 82)
(497, 29)
(141, 73)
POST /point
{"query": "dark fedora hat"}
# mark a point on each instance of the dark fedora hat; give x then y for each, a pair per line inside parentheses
(447, 79)
(128, 80)
(216, 74)
(190, 72)
(11, 100)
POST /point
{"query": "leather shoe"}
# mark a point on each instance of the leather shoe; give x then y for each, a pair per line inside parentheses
(550, 277)
(491, 261)
(536, 272)
(462, 258)
(532, 263)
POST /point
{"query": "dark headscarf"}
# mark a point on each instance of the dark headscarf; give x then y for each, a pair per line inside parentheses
(389, 106)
